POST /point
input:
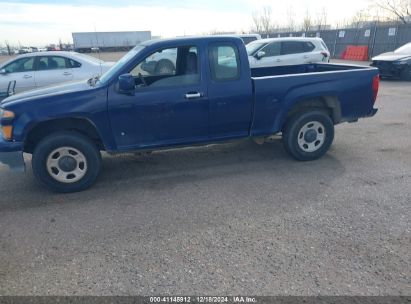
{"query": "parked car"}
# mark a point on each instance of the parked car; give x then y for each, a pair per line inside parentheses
(248, 38)
(41, 69)
(395, 64)
(287, 51)
(201, 102)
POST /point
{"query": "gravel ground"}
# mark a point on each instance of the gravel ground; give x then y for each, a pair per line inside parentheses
(229, 219)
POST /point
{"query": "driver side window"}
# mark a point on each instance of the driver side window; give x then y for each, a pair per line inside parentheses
(159, 63)
(168, 67)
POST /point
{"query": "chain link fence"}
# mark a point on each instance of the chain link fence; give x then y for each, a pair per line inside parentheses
(378, 38)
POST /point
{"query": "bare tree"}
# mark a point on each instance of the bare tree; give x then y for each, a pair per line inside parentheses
(359, 19)
(263, 20)
(257, 27)
(321, 19)
(266, 20)
(397, 9)
(291, 19)
(307, 21)
(8, 47)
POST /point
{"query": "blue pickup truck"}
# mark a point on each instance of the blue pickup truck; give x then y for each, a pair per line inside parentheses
(206, 93)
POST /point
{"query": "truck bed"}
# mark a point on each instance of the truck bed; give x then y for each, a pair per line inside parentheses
(276, 89)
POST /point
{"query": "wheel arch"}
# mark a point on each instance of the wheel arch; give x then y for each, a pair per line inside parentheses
(329, 103)
(44, 128)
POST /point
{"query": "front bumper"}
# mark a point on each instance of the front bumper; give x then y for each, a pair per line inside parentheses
(388, 69)
(373, 112)
(11, 154)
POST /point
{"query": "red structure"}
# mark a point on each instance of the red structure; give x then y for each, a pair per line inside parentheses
(357, 53)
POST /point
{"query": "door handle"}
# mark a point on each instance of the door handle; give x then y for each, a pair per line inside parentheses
(193, 95)
(66, 73)
(278, 60)
(305, 57)
(27, 76)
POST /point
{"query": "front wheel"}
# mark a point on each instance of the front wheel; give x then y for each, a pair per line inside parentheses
(308, 135)
(66, 162)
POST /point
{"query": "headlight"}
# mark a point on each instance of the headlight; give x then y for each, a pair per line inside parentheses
(6, 127)
(4, 114)
(402, 61)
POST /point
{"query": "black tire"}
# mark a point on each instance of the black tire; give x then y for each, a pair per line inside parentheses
(294, 135)
(75, 141)
(406, 73)
(164, 67)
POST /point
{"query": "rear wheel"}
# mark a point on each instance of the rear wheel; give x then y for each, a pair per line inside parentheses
(66, 162)
(308, 135)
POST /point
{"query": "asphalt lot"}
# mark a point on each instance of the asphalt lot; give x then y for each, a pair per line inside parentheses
(229, 219)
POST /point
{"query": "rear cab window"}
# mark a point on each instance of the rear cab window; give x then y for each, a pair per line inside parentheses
(224, 62)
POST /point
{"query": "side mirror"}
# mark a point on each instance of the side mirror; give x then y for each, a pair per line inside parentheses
(259, 55)
(126, 84)
(3, 72)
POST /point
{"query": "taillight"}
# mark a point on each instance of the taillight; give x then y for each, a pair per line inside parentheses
(375, 86)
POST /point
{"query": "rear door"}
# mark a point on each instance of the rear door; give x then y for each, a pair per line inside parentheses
(51, 70)
(292, 53)
(229, 92)
(22, 71)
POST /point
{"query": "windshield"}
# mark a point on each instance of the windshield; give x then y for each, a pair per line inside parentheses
(405, 49)
(117, 67)
(253, 47)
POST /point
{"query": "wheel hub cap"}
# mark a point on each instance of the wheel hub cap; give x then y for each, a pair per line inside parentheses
(66, 165)
(311, 136)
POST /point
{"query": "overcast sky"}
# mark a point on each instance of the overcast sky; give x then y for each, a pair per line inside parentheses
(39, 22)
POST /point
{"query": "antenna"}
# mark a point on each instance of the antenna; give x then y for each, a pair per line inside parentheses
(98, 50)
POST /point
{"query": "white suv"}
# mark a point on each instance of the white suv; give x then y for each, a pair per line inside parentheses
(287, 51)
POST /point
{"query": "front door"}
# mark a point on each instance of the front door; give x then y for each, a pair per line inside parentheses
(170, 105)
(22, 71)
